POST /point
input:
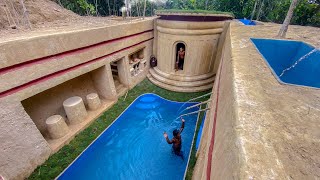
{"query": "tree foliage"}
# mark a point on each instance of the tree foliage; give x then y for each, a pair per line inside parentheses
(87, 7)
(307, 12)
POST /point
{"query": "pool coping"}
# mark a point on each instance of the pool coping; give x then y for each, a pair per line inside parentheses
(270, 67)
(185, 172)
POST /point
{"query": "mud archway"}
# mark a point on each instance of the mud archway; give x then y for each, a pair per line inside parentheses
(180, 54)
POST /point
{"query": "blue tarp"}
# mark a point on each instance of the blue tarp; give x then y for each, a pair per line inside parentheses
(292, 62)
(247, 22)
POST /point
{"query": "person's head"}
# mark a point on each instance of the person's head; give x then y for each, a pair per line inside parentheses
(181, 49)
(175, 132)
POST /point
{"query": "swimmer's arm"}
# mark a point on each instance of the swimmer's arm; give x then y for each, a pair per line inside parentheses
(182, 125)
(168, 140)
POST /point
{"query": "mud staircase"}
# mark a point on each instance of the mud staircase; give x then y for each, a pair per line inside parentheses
(120, 88)
(180, 83)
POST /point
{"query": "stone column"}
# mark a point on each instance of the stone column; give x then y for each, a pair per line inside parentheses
(56, 126)
(123, 71)
(75, 109)
(93, 101)
(104, 83)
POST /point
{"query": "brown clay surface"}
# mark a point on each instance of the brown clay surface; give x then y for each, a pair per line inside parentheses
(22, 152)
(47, 17)
(278, 125)
(41, 12)
(49, 102)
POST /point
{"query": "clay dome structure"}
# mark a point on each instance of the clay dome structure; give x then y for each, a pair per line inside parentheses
(190, 37)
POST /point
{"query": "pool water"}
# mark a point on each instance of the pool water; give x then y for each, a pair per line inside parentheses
(133, 147)
(200, 132)
(292, 62)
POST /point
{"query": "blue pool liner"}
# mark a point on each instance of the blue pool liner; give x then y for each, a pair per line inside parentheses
(133, 146)
(247, 22)
(200, 132)
(282, 54)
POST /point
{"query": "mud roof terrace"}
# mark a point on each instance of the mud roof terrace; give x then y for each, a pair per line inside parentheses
(194, 15)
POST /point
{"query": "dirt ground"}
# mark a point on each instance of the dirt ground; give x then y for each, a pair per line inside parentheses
(270, 30)
(281, 122)
(40, 12)
(45, 17)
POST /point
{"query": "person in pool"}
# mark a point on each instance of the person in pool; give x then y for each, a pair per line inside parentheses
(176, 140)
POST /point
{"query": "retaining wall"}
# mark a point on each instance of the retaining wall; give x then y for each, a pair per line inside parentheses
(218, 154)
(42, 71)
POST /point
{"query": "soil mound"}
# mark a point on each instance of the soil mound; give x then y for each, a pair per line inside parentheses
(40, 11)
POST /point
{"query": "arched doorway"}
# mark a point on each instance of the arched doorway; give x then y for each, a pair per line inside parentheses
(180, 56)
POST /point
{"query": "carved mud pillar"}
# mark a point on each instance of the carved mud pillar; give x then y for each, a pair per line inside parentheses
(75, 109)
(93, 101)
(56, 126)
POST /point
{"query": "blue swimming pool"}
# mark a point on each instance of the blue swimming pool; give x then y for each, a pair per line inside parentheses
(133, 147)
(292, 62)
(200, 132)
(247, 22)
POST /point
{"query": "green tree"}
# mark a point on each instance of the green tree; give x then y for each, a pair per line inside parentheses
(307, 12)
(87, 7)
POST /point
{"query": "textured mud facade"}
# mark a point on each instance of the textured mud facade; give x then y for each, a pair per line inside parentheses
(38, 73)
(258, 128)
(22, 145)
(225, 153)
(200, 39)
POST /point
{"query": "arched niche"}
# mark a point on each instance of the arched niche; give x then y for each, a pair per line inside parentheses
(179, 52)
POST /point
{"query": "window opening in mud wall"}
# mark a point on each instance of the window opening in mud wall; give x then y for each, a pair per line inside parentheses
(180, 56)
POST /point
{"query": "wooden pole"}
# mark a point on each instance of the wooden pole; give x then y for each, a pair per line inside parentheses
(206, 4)
(96, 4)
(137, 8)
(254, 9)
(259, 11)
(144, 9)
(109, 9)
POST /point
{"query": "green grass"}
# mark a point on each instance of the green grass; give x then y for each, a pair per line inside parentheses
(196, 11)
(60, 160)
(193, 159)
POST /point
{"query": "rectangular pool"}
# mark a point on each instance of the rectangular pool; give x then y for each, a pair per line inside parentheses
(133, 147)
(292, 62)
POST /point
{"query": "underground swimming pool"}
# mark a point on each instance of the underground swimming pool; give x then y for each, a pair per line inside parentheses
(292, 62)
(133, 147)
